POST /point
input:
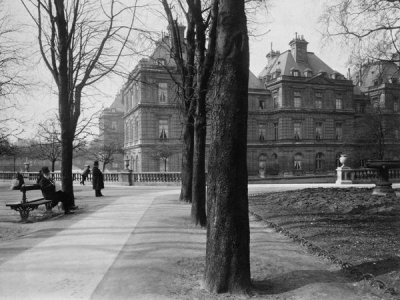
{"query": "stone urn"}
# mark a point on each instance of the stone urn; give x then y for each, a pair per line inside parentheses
(383, 186)
(343, 160)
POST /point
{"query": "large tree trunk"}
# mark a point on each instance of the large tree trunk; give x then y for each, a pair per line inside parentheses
(187, 161)
(64, 103)
(198, 211)
(227, 250)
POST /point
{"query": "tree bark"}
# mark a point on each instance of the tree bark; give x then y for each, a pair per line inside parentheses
(198, 210)
(64, 103)
(187, 161)
(227, 250)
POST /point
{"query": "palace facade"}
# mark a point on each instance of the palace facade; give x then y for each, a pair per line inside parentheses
(302, 113)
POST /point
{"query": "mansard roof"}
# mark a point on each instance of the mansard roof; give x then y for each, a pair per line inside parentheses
(254, 82)
(285, 62)
(376, 73)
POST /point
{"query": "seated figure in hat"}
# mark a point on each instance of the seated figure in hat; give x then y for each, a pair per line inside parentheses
(49, 192)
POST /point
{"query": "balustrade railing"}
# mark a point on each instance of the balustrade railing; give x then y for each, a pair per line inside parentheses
(364, 175)
(144, 177)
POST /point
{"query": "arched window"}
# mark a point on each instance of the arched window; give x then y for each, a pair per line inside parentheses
(319, 161)
(298, 158)
(262, 164)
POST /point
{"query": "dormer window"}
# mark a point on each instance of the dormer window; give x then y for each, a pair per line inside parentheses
(295, 72)
(308, 72)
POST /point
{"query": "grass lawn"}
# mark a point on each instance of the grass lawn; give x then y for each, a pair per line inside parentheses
(350, 224)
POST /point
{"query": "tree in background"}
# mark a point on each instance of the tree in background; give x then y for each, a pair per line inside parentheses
(370, 27)
(162, 152)
(378, 132)
(105, 153)
(80, 42)
(194, 66)
(227, 251)
(11, 81)
(48, 143)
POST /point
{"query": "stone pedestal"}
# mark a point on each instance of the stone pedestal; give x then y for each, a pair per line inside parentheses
(125, 177)
(343, 175)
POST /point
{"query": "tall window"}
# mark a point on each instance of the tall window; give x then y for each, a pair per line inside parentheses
(318, 100)
(276, 100)
(338, 131)
(339, 103)
(164, 164)
(162, 92)
(396, 134)
(396, 105)
(262, 132)
(261, 104)
(276, 132)
(382, 103)
(163, 129)
(114, 125)
(297, 130)
(131, 130)
(318, 130)
(298, 157)
(319, 161)
(297, 99)
(136, 129)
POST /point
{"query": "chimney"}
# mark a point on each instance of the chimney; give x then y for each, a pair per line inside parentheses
(299, 48)
(271, 55)
(180, 30)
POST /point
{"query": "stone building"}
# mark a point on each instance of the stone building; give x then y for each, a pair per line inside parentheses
(302, 113)
(308, 114)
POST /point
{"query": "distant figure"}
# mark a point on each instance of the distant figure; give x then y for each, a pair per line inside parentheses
(97, 179)
(49, 192)
(39, 176)
(85, 174)
(17, 182)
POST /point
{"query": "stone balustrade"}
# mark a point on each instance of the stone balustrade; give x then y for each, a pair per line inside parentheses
(124, 177)
(365, 175)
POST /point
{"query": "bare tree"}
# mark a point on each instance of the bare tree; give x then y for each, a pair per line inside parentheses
(227, 252)
(48, 144)
(11, 81)
(376, 130)
(163, 152)
(370, 27)
(81, 42)
(194, 65)
(105, 153)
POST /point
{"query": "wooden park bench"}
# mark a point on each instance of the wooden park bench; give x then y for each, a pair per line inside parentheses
(26, 206)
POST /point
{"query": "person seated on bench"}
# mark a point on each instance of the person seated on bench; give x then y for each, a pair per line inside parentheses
(17, 182)
(48, 188)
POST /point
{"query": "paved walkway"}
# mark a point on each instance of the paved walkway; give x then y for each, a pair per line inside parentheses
(142, 246)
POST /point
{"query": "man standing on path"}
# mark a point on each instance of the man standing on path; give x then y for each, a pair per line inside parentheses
(97, 179)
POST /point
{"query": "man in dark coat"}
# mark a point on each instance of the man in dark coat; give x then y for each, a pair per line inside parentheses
(97, 179)
(48, 188)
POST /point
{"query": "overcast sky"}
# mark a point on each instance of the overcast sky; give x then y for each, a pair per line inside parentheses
(281, 22)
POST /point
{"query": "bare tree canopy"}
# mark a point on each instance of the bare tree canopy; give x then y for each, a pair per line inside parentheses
(81, 42)
(370, 27)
